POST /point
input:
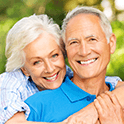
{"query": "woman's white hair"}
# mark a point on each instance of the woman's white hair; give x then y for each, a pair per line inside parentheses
(24, 32)
(104, 22)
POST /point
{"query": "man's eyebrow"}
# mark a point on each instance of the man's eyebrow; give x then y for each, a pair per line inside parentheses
(71, 39)
(90, 36)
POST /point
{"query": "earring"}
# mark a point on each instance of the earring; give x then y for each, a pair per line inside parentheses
(27, 75)
(25, 72)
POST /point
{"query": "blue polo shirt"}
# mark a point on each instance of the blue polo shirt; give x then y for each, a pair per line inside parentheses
(56, 105)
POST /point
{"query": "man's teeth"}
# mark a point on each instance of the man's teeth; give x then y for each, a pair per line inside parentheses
(51, 78)
(87, 62)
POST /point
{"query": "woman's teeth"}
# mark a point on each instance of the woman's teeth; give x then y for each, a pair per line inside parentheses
(51, 78)
(88, 62)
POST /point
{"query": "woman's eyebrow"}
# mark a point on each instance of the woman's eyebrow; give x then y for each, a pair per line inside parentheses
(35, 57)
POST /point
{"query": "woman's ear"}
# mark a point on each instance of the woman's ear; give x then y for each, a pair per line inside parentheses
(25, 71)
(112, 42)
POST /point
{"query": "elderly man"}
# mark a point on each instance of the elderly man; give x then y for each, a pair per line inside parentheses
(89, 42)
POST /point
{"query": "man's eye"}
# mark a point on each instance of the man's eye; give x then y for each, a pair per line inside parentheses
(92, 39)
(54, 56)
(73, 42)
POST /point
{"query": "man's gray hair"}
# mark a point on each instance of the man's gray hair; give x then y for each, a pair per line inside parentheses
(24, 32)
(104, 22)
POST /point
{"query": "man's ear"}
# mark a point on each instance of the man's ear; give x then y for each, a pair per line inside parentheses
(25, 71)
(112, 42)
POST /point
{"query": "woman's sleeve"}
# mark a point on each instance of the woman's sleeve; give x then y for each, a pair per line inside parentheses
(113, 80)
(10, 99)
(69, 72)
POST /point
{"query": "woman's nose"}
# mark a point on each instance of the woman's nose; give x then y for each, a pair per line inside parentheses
(49, 67)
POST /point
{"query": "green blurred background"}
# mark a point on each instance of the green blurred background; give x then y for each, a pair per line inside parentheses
(13, 10)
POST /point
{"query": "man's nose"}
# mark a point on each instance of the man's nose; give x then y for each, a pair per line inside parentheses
(84, 49)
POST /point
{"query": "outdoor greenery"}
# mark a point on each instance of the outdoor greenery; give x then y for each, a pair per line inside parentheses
(13, 10)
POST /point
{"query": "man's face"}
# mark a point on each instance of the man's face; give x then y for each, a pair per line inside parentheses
(87, 49)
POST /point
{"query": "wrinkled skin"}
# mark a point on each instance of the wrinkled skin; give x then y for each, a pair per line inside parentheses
(109, 109)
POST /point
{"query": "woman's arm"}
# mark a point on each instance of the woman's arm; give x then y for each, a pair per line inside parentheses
(119, 92)
(19, 118)
(88, 114)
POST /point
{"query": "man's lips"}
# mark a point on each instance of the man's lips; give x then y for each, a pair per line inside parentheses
(87, 62)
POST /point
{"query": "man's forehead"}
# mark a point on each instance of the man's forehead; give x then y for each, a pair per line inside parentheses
(86, 23)
(84, 19)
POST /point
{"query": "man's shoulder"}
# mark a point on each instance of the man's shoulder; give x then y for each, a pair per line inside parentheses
(44, 98)
(45, 95)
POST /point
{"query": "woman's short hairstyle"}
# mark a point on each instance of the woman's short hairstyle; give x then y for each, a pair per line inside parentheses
(104, 22)
(24, 32)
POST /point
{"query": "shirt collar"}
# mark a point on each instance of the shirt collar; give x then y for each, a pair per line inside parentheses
(74, 93)
(110, 86)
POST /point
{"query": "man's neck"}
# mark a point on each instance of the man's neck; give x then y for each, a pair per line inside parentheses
(95, 85)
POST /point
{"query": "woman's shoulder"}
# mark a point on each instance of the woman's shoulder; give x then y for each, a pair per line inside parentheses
(12, 78)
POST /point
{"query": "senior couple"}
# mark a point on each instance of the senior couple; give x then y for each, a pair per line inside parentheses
(35, 55)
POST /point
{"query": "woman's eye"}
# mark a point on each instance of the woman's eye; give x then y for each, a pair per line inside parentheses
(54, 56)
(37, 62)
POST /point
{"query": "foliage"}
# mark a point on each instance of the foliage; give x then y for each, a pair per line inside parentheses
(12, 11)
(4, 27)
(116, 65)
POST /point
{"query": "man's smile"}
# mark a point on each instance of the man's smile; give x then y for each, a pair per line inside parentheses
(87, 61)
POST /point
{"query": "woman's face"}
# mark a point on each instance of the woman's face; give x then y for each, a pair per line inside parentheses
(44, 62)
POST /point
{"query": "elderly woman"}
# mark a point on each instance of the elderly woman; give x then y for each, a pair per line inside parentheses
(33, 55)
(35, 62)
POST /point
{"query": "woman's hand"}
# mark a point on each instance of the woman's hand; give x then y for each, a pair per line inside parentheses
(87, 115)
(109, 109)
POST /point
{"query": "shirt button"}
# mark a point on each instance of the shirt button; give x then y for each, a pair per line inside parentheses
(22, 108)
(5, 108)
(88, 98)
